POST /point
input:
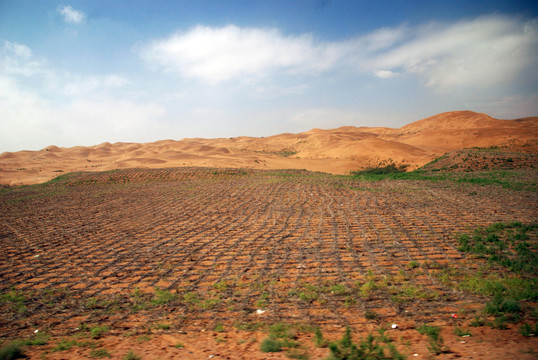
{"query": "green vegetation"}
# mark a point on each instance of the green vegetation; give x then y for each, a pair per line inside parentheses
(99, 353)
(319, 340)
(286, 153)
(509, 246)
(380, 171)
(271, 345)
(97, 331)
(370, 348)
(527, 330)
(131, 356)
(15, 299)
(508, 179)
(436, 344)
(64, 344)
(11, 351)
(505, 244)
(162, 297)
(460, 332)
(280, 336)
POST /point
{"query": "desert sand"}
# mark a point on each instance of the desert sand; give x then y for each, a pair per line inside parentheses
(336, 151)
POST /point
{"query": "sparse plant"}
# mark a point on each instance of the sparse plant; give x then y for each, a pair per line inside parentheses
(163, 297)
(11, 351)
(478, 321)
(131, 356)
(371, 315)
(319, 340)
(370, 348)
(64, 344)
(460, 332)
(97, 331)
(99, 353)
(271, 345)
(527, 330)
(163, 326)
(436, 344)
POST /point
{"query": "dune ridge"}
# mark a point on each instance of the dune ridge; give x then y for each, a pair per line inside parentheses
(336, 151)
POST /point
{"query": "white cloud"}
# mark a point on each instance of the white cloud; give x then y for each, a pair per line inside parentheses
(385, 74)
(40, 105)
(219, 54)
(17, 59)
(475, 53)
(71, 15)
(481, 52)
(84, 85)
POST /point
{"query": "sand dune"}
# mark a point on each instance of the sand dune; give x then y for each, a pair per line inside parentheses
(337, 151)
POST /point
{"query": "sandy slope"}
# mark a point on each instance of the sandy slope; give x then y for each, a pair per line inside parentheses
(337, 151)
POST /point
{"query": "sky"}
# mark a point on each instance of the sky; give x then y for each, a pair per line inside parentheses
(87, 72)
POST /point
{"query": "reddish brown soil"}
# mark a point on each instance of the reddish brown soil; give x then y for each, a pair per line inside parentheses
(492, 158)
(228, 242)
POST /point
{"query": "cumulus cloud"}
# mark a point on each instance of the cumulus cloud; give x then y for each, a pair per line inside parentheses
(71, 15)
(219, 54)
(480, 52)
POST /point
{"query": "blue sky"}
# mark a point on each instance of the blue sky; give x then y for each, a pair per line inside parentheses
(86, 72)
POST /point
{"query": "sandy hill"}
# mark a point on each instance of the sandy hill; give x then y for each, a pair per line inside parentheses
(337, 151)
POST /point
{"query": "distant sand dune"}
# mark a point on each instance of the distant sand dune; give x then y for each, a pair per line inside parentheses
(336, 151)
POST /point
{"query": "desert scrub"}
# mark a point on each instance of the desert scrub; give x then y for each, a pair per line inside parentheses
(436, 343)
(99, 353)
(11, 351)
(271, 345)
(280, 336)
(163, 297)
(131, 356)
(319, 340)
(512, 245)
(372, 347)
(16, 300)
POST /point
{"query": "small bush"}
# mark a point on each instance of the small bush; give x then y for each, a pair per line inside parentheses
(436, 345)
(370, 315)
(500, 305)
(478, 321)
(99, 353)
(98, 331)
(11, 351)
(271, 345)
(64, 345)
(461, 332)
(319, 340)
(131, 356)
(527, 330)
(371, 348)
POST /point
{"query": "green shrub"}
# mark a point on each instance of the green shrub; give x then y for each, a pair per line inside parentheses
(500, 305)
(319, 340)
(371, 348)
(97, 331)
(436, 345)
(11, 351)
(99, 353)
(131, 356)
(271, 345)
